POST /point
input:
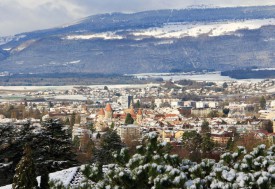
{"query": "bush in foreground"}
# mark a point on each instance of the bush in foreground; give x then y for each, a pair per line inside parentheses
(153, 167)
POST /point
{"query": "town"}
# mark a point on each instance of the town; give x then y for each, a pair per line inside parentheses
(233, 113)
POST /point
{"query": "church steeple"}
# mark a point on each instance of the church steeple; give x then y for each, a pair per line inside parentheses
(108, 111)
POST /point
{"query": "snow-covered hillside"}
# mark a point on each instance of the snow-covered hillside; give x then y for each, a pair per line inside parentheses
(181, 29)
(178, 30)
(151, 41)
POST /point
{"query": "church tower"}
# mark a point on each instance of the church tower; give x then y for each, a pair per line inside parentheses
(101, 114)
(108, 112)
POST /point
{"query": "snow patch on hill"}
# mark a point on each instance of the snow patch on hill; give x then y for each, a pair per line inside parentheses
(179, 30)
(4, 40)
(105, 35)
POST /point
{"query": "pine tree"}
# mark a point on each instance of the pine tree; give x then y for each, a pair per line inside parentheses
(205, 127)
(137, 104)
(13, 141)
(207, 144)
(262, 103)
(191, 141)
(129, 119)
(110, 142)
(76, 141)
(72, 121)
(25, 177)
(224, 85)
(53, 148)
(44, 178)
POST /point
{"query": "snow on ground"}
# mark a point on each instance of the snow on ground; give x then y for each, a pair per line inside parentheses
(181, 29)
(105, 35)
(178, 30)
(66, 176)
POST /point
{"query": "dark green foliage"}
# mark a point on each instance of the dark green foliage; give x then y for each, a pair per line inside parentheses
(225, 111)
(262, 103)
(44, 178)
(213, 113)
(98, 135)
(137, 105)
(112, 125)
(191, 140)
(72, 121)
(205, 127)
(129, 119)
(198, 144)
(186, 82)
(224, 85)
(12, 143)
(76, 141)
(153, 105)
(54, 150)
(25, 177)
(51, 148)
(249, 74)
(267, 125)
(110, 142)
(207, 144)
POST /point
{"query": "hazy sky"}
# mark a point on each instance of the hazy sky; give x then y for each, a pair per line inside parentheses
(26, 15)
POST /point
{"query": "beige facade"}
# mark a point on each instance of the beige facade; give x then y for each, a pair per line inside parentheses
(129, 131)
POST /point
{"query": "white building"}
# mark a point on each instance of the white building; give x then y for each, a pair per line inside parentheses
(125, 101)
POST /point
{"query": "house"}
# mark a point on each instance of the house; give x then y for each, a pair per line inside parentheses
(221, 137)
(129, 131)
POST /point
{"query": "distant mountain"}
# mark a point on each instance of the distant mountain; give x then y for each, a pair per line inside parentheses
(151, 41)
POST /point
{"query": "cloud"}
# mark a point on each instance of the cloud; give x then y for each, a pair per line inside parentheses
(26, 15)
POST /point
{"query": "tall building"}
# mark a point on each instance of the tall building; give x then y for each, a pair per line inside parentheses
(126, 101)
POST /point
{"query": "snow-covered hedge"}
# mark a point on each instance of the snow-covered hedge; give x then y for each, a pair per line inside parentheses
(153, 167)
